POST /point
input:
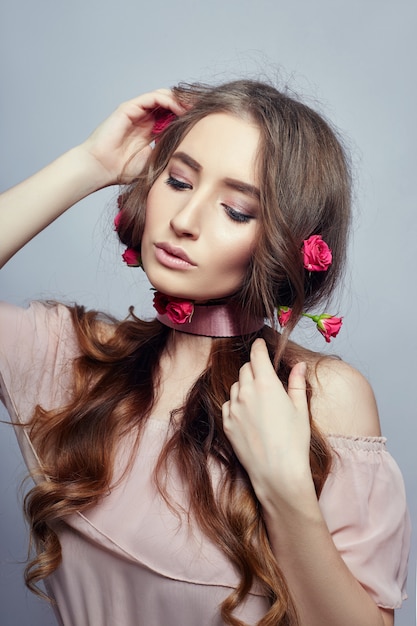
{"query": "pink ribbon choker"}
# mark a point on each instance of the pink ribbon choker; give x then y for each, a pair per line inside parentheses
(211, 320)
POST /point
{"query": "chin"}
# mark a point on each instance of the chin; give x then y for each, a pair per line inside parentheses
(170, 290)
(197, 294)
(199, 297)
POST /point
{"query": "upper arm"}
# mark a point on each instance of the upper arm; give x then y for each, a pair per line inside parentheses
(342, 400)
(387, 616)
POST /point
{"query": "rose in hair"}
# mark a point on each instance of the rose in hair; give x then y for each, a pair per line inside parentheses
(179, 311)
(132, 257)
(117, 221)
(163, 118)
(284, 314)
(317, 255)
(329, 325)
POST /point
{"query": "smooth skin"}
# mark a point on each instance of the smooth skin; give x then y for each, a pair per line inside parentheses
(104, 159)
(201, 205)
(270, 433)
(271, 444)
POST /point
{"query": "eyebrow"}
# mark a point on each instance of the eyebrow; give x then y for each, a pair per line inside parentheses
(233, 183)
(187, 160)
(238, 185)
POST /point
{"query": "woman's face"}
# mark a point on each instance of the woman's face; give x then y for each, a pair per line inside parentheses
(202, 213)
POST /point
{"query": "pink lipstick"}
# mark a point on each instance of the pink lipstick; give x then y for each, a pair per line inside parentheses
(173, 257)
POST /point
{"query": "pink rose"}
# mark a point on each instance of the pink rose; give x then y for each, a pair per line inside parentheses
(132, 257)
(163, 118)
(329, 325)
(179, 311)
(284, 314)
(160, 302)
(117, 221)
(317, 254)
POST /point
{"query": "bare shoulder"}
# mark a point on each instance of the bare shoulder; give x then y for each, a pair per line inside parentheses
(342, 401)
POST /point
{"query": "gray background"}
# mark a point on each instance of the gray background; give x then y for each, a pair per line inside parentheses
(66, 65)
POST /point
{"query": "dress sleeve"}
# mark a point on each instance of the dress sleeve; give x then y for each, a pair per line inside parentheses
(37, 349)
(364, 505)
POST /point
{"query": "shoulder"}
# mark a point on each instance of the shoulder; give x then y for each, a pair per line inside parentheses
(39, 318)
(343, 402)
(48, 322)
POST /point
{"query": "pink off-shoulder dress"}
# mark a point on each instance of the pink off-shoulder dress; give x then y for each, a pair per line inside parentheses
(129, 560)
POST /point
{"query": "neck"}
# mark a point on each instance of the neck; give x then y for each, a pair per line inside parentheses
(213, 320)
(192, 350)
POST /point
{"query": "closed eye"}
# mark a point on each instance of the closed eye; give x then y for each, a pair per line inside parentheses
(233, 214)
(179, 185)
(237, 216)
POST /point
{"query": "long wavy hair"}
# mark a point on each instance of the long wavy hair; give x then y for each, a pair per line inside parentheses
(305, 190)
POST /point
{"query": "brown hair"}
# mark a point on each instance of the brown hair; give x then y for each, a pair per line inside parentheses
(305, 190)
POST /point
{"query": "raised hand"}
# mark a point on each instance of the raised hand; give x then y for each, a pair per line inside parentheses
(269, 428)
(114, 153)
(120, 144)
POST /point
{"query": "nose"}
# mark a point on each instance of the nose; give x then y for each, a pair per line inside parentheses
(187, 220)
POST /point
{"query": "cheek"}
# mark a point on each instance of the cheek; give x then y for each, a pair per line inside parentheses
(237, 257)
(150, 205)
(153, 210)
(148, 230)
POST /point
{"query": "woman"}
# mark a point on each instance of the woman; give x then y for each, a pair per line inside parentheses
(202, 468)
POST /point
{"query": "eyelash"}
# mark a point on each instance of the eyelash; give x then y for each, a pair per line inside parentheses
(176, 184)
(235, 216)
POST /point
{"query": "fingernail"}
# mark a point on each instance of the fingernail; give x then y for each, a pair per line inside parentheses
(303, 368)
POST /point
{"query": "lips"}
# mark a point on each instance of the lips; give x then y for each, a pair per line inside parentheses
(173, 256)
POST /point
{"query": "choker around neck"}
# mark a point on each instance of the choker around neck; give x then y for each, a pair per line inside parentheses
(208, 320)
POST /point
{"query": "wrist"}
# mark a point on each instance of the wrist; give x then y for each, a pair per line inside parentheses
(91, 175)
(291, 498)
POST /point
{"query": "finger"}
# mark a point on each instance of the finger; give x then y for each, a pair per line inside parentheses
(297, 385)
(234, 391)
(161, 98)
(246, 373)
(259, 358)
(226, 410)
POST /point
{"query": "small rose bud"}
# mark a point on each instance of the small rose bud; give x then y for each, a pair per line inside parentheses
(329, 326)
(284, 314)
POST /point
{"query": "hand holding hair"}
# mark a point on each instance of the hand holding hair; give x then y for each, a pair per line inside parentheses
(120, 144)
(115, 153)
(213, 182)
(269, 428)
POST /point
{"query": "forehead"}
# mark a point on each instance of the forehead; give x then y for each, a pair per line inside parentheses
(225, 143)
